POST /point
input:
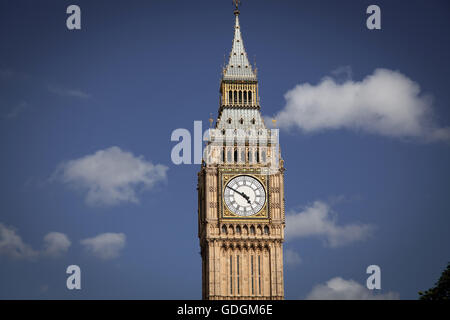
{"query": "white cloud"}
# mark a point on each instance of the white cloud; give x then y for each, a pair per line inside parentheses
(319, 220)
(386, 103)
(9, 74)
(343, 72)
(341, 289)
(12, 245)
(291, 258)
(17, 110)
(55, 244)
(66, 92)
(111, 176)
(105, 245)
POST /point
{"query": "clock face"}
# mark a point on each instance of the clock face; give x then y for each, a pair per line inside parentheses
(244, 195)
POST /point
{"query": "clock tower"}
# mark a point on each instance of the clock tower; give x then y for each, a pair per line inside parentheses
(241, 191)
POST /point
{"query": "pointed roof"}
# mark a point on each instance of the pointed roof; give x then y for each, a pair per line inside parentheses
(232, 118)
(238, 67)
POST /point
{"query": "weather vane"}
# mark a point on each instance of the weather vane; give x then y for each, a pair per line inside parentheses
(237, 3)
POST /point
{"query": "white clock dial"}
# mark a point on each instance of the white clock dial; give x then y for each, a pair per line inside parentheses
(244, 195)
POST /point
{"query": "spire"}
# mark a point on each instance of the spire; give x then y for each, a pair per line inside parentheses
(238, 67)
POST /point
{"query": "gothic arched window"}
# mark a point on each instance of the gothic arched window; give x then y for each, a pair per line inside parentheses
(266, 230)
(259, 230)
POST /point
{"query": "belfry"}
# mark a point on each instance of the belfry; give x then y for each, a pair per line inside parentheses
(241, 218)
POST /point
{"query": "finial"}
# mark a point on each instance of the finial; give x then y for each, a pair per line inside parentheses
(210, 120)
(236, 4)
(274, 122)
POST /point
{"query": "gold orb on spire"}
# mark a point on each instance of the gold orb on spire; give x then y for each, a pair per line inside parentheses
(236, 3)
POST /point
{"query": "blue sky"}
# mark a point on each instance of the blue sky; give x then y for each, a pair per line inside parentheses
(375, 178)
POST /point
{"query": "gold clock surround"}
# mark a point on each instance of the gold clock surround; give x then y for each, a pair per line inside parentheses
(225, 176)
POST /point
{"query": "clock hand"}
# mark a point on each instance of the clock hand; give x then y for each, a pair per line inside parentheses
(233, 189)
(253, 210)
(240, 193)
(246, 197)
